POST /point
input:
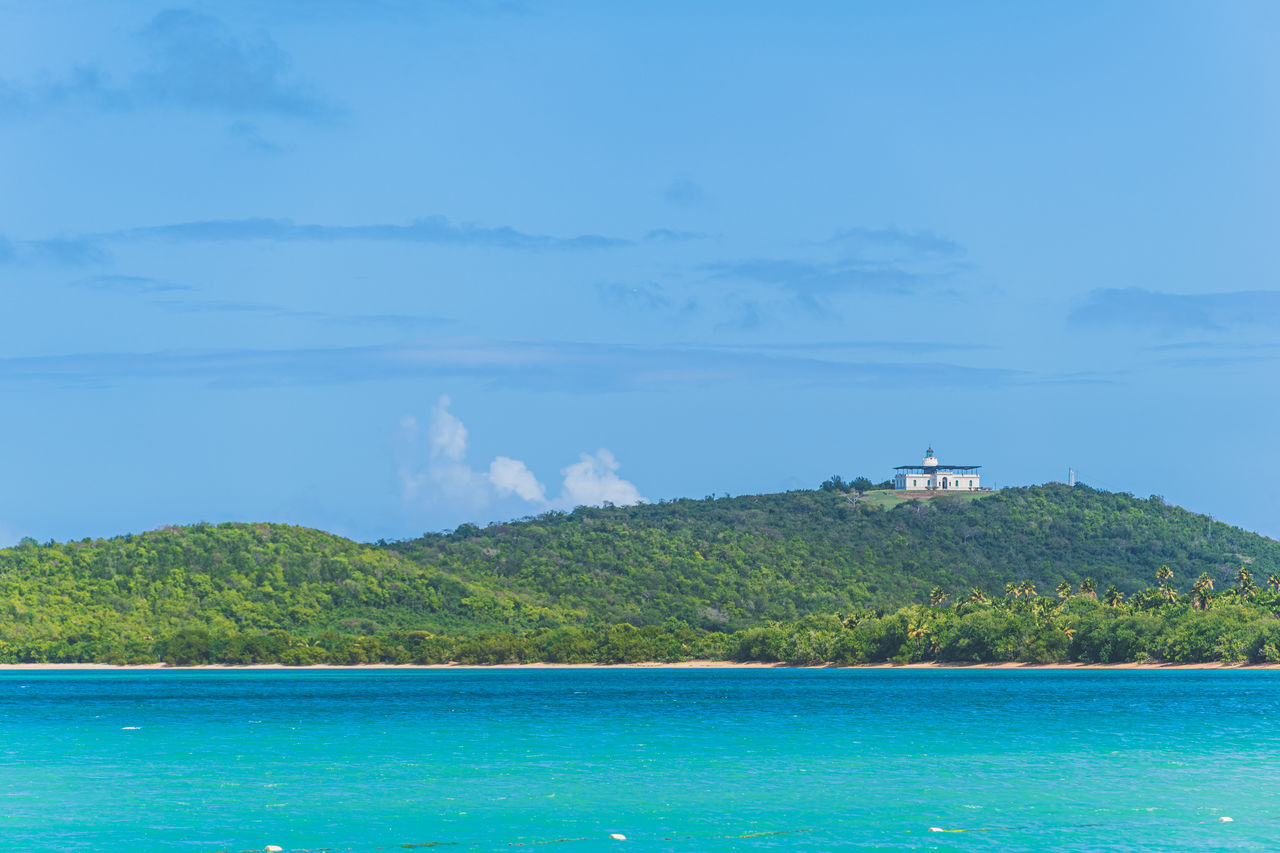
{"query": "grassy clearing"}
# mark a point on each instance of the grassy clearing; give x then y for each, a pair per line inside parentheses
(889, 498)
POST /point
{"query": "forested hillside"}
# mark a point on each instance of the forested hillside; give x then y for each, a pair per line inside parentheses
(121, 599)
(666, 581)
(727, 563)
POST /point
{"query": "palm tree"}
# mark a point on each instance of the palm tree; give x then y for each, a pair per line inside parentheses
(1088, 588)
(1202, 591)
(977, 596)
(1114, 596)
(1164, 574)
(1012, 590)
(936, 596)
(1027, 589)
(920, 632)
(1064, 590)
(1274, 582)
(1244, 582)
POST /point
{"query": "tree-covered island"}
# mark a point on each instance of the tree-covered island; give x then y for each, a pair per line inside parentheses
(847, 573)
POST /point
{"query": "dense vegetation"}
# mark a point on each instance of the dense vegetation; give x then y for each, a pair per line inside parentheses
(123, 599)
(1240, 623)
(828, 575)
(731, 563)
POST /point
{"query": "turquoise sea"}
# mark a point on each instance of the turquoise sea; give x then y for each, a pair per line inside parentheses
(679, 760)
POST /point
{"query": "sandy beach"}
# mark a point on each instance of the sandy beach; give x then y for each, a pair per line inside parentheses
(691, 664)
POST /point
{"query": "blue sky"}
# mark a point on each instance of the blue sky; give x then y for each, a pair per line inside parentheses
(383, 268)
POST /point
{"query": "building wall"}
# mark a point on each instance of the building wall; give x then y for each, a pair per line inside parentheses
(962, 482)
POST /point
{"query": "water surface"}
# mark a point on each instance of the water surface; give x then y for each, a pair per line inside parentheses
(680, 760)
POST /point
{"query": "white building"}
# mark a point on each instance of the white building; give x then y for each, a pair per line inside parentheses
(929, 476)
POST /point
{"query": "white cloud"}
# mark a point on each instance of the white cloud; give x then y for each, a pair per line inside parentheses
(592, 481)
(448, 435)
(511, 476)
(448, 468)
(446, 475)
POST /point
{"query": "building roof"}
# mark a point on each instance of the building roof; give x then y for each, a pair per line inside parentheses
(928, 469)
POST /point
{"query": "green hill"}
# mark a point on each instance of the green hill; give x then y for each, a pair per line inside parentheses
(728, 563)
(613, 583)
(117, 598)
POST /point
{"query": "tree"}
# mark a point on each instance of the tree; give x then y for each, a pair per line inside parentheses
(1274, 583)
(936, 596)
(1164, 575)
(1244, 582)
(1012, 590)
(1202, 592)
(1114, 597)
(1027, 589)
(977, 596)
(1064, 590)
(1089, 589)
(835, 484)
(861, 484)
(920, 633)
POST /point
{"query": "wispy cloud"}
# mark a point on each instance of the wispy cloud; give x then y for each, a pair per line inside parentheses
(1137, 307)
(645, 296)
(809, 281)
(129, 284)
(63, 251)
(876, 346)
(528, 365)
(56, 251)
(1214, 354)
(855, 261)
(184, 299)
(194, 63)
(251, 136)
(666, 235)
(197, 63)
(90, 249)
(228, 306)
(428, 230)
(1212, 362)
(1218, 346)
(683, 192)
(914, 244)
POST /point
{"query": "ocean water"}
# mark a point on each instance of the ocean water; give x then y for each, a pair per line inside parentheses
(679, 760)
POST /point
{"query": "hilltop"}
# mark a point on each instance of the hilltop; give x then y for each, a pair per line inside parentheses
(728, 563)
(674, 570)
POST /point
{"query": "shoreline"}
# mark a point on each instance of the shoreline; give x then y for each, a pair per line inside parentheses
(691, 664)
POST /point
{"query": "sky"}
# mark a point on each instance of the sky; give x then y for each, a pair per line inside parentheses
(387, 267)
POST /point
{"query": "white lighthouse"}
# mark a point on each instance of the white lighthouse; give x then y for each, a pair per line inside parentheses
(932, 476)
